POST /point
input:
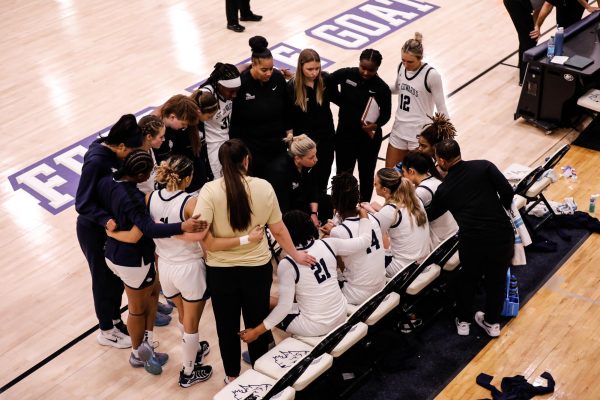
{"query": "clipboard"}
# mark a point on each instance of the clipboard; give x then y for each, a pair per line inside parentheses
(371, 113)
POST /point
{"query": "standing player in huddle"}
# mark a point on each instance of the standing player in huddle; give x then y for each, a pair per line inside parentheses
(357, 141)
(319, 304)
(153, 130)
(364, 270)
(224, 82)
(182, 272)
(419, 88)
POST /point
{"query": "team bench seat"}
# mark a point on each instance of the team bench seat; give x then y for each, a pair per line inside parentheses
(389, 302)
(288, 353)
(254, 383)
(357, 332)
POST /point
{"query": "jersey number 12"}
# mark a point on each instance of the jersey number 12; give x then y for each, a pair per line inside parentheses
(405, 102)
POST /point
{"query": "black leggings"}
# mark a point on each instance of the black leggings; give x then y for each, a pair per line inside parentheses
(234, 290)
(107, 288)
(364, 150)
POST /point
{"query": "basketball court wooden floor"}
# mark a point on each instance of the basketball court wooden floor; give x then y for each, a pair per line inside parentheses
(70, 69)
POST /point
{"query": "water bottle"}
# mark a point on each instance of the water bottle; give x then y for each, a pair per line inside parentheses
(558, 41)
(550, 53)
(592, 208)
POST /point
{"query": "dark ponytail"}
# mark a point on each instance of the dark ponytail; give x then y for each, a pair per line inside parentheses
(422, 163)
(231, 156)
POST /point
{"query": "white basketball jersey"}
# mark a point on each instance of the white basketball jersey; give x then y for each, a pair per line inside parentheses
(415, 102)
(168, 207)
(444, 226)
(318, 293)
(217, 128)
(364, 270)
(408, 242)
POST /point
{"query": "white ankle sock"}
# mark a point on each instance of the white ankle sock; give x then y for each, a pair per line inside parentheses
(107, 332)
(189, 347)
(180, 326)
(149, 337)
(135, 353)
(116, 321)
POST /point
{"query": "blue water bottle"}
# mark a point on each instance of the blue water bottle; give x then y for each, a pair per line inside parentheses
(551, 49)
(559, 39)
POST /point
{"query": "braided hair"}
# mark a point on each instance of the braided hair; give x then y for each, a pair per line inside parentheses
(345, 194)
(150, 125)
(138, 163)
(173, 170)
(221, 72)
(371, 55)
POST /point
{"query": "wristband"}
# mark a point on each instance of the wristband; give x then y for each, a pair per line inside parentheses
(244, 240)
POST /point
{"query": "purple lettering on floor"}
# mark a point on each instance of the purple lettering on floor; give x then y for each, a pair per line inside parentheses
(369, 22)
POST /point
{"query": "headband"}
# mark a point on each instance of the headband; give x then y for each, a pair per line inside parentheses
(231, 83)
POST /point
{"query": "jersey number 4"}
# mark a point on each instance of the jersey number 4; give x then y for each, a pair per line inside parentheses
(374, 242)
(320, 271)
(405, 102)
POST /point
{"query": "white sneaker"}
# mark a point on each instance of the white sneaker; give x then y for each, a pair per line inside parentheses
(114, 338)
(462, 328)
(492, 330)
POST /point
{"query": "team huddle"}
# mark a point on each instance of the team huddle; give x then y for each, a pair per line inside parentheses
(194, 198)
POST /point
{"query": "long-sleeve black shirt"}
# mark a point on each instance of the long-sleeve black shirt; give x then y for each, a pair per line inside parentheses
(477, 195)
(295, 189)
(260, 115)
(317, 121)
(354, 93)
(178, 142)
(98, 162)
(128, 205)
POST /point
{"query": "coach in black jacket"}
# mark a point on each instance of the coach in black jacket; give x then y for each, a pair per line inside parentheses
(478, 196)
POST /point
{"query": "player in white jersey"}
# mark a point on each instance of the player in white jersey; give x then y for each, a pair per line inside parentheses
(364, 270)
(182, 271)
(320, 305)
(420, 170)
(153, 129)
(403, 218)
(419, 88)
(224, 82)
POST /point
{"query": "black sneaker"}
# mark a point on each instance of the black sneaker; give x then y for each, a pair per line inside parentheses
(200, 373)
(251, 17)
(236, 28)
(202, 353)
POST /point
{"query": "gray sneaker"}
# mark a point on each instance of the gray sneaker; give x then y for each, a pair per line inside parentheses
(151, 366)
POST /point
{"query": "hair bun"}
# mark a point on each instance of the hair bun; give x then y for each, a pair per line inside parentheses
(418, 37)
(258, 44)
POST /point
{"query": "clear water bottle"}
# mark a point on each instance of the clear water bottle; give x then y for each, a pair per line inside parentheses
(559, 39)
(550, 53)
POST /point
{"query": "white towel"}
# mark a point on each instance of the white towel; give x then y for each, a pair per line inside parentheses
(522, 237)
